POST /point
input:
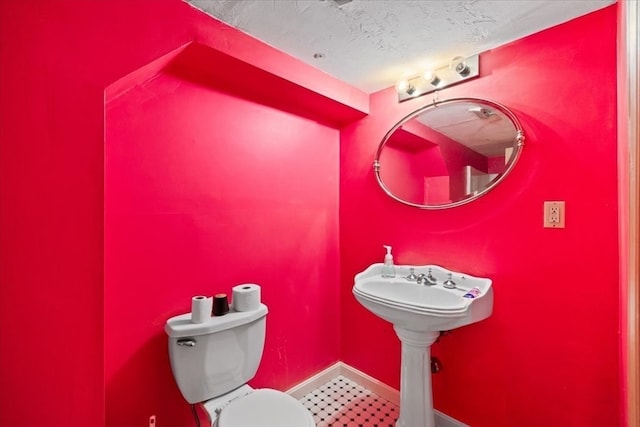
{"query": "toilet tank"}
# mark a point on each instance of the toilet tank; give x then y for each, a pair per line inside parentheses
(212, 358)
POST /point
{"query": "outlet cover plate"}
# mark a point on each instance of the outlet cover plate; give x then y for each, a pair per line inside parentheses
(554, 214)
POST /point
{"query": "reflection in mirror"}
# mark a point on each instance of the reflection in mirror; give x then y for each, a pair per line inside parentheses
(448, 153)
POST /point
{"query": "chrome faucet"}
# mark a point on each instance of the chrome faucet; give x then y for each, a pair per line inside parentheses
(428, 279)
(449, 284)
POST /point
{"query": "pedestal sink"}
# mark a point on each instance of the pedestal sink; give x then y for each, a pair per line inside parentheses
(418, 312)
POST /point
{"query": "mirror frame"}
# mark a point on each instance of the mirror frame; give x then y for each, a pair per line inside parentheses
(518, 144)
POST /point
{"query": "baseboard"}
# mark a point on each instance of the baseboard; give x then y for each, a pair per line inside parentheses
(370, 383)
(444, 420)
(377, 387)
(314, 382)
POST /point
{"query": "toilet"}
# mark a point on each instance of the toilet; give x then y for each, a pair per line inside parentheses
(212, 363)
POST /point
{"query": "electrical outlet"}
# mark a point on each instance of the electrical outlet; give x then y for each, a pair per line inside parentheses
(554, 214)
(152, 421)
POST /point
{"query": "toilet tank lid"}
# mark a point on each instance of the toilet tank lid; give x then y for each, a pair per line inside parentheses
(181, 326)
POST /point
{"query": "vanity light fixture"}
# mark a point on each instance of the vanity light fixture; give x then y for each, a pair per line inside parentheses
(458, 70)
(403, 86)
(432, 78)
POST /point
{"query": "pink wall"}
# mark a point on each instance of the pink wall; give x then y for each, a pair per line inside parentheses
(89, 334)
(161, 239)
(205, 191)
(409, 184)
(51, 229)
(549, 354)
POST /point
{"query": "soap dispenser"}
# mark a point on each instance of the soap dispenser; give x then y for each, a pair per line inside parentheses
(388, 269)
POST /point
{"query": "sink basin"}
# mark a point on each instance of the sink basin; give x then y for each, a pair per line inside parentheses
(418, 313)
(418, 307)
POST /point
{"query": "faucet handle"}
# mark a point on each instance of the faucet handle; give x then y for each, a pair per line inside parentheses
(412, 275)
(449, 284)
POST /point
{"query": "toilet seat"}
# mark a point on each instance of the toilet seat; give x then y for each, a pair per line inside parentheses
(265, 408)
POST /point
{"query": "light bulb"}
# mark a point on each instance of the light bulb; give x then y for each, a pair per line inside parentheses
(402, 85)
(431, 77)
(459, 66)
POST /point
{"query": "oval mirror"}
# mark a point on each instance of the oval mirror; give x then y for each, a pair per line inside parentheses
(448, 153)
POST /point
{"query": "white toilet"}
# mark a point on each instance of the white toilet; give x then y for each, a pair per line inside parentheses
(213, 361)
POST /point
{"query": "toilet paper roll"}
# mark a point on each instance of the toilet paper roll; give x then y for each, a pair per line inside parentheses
(246, 297)
(201, 308)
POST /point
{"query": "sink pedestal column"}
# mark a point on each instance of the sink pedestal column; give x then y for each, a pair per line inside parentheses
(416, 401)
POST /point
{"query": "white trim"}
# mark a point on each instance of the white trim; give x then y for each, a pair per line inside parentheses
(629, 177)
(444, 420)
(302, 389)
(370, 383)
(629, 131)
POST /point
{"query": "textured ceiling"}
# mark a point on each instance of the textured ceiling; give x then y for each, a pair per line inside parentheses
(372, 43)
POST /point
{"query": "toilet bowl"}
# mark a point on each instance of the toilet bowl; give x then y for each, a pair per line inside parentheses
(212, 363)
(260, 408)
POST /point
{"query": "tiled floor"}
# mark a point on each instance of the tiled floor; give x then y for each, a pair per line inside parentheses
(344, 403)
